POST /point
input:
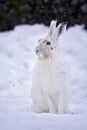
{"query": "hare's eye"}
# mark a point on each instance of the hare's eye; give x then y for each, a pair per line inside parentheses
(48, 43)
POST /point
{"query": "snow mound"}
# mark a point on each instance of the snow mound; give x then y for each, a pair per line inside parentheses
(17, 59)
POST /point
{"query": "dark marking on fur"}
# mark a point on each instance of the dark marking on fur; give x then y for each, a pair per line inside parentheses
(48, 43)
(61, 27)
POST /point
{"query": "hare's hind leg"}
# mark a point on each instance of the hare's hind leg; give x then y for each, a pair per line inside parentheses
(66, 101)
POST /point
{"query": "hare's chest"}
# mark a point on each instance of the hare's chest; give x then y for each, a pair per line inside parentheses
(50, 80)
(47, 81)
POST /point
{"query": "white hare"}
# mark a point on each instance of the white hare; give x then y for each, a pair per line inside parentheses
(50, 87)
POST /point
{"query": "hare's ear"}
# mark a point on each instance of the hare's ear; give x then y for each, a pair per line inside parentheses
(61, 28)
(51, 28)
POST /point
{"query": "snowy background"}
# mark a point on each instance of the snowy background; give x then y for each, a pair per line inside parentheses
(17, 59)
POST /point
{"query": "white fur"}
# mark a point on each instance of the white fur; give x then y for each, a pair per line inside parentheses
(50, 87)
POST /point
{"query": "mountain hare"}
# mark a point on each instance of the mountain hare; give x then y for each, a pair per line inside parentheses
(50, 87)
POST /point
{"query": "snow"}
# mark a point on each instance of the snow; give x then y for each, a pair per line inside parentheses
(17, 59)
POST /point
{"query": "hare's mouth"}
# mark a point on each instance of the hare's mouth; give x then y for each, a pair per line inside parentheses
(46, 56)
(39, 54)
(42, 55)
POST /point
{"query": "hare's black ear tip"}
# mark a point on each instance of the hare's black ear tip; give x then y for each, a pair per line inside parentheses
(57, 23)
(64, 23)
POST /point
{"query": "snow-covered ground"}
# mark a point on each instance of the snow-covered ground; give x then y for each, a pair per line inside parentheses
(17, 59)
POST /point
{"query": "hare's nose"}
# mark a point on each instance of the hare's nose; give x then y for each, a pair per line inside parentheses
(37, 51)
